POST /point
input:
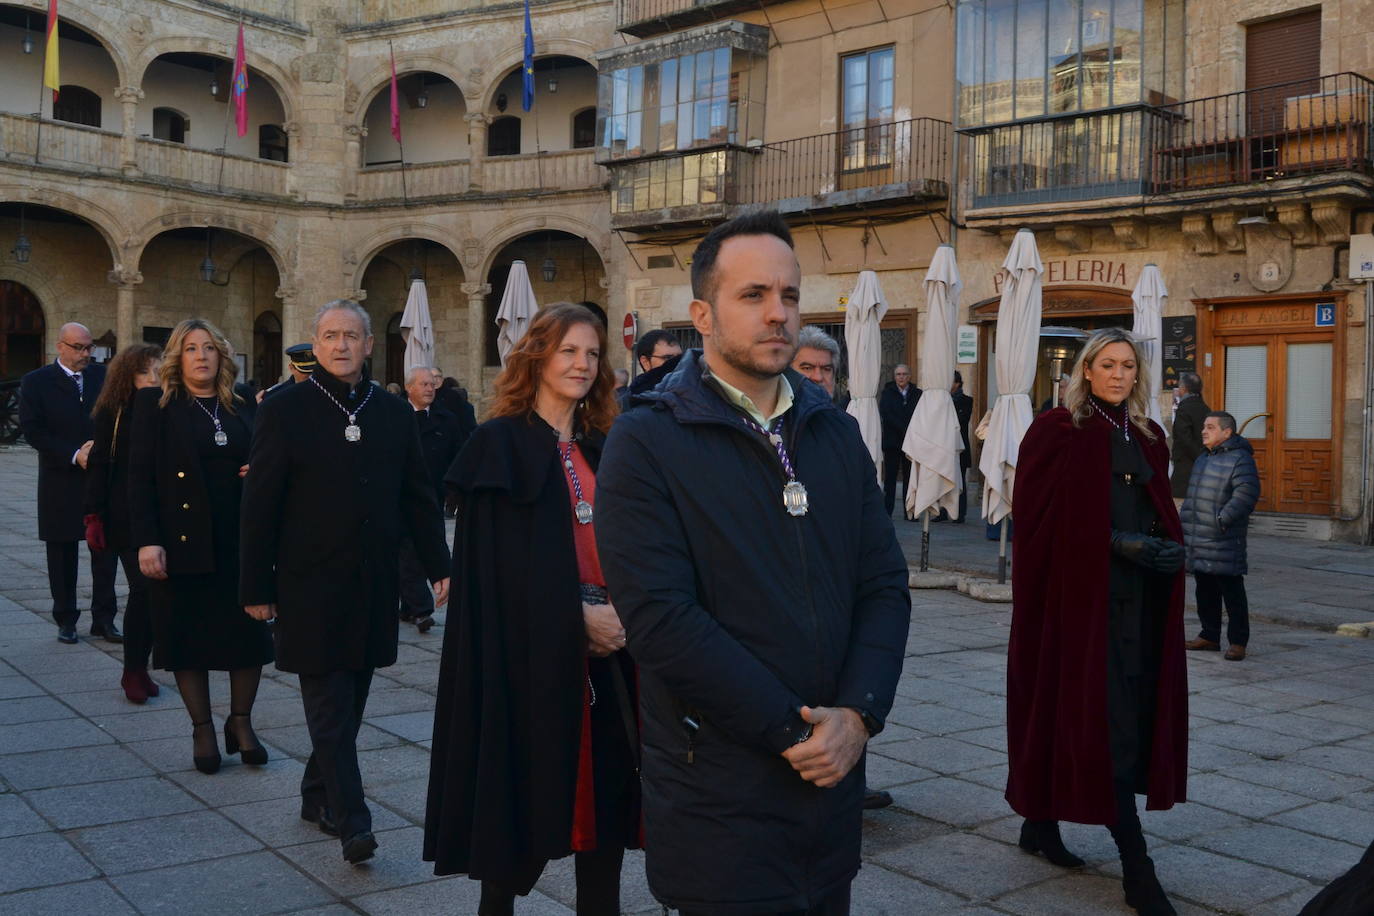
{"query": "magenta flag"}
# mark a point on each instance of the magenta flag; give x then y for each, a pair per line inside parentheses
(395, 102)
(240, 86)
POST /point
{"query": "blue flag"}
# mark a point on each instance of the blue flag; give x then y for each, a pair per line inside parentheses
(527, 96)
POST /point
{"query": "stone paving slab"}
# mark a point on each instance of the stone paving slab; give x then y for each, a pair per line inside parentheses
(102, 812)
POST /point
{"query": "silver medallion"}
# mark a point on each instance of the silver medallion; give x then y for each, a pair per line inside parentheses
(583, 511)
(221, 437)
(352, 432)
(794, 498)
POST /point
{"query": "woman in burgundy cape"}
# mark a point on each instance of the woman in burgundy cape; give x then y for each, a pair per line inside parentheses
(535, 734)
(1097, 697)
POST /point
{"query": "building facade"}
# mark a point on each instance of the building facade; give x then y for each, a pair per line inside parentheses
(139, 203)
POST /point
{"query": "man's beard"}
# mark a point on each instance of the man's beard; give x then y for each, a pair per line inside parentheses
(740, 359)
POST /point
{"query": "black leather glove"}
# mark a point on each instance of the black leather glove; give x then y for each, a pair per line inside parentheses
(1158, 554)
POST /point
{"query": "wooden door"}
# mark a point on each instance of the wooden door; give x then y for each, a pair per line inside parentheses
(1279, 389)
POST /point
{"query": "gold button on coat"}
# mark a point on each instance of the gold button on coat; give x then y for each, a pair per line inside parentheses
(185, 505)
(181, 473)
(183, 537)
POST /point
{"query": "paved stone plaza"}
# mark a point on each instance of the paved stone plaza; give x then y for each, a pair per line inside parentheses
(101, 811)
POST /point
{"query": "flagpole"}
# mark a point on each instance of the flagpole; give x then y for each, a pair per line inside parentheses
(396, 124)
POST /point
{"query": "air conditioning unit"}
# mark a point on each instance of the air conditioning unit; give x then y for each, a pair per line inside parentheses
(1362, 257)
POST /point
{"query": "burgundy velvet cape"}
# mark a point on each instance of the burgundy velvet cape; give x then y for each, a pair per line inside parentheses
(1057, 738)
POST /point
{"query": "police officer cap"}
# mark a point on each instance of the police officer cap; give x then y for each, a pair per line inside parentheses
(302, 356)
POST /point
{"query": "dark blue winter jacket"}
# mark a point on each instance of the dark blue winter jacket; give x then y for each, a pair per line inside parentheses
(1222, 493)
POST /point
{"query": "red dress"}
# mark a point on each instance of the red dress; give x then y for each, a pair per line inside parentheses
(589, 573)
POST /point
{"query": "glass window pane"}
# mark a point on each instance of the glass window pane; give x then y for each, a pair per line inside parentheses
(720, 73)
(1307, 402)
(1062, 61)
(1127, 26)
(999, 57)
(685, 78)
(1247, 386)
(969, 61)
(702, 90)
(1030, 58)
(880, 85)
(1096, 72)
(855, 90)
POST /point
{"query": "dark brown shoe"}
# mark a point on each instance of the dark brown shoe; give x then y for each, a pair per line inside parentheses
(1234, 653)
(1205, 645)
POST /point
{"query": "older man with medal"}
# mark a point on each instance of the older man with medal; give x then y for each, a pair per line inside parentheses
(764, 597)
(336, 480)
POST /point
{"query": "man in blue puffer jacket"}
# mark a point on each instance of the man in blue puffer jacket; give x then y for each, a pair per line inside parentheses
(1222, 493)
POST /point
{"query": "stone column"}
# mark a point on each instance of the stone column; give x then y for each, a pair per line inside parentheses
(292, 322)
(126, 314)
(354, 136)
(477, 147)
(477, 307)
(129, 97)
(292, 129)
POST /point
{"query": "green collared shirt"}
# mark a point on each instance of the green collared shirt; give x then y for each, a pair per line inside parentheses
(742, 401)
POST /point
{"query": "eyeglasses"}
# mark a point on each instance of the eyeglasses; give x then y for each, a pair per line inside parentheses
(663, 357)
(80, 348)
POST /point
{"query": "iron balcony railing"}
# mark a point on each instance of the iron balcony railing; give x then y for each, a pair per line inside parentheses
(1281, 131)
(894, 160)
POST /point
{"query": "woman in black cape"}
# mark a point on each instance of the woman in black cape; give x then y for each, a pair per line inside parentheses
(535, 730)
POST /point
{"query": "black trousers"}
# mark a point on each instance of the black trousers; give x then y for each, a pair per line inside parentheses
(334, 705)
(1212, 591)
(895, 461)
(138, 620)
(62, 559)
(416, 598)
(837, 904)
(963, 492)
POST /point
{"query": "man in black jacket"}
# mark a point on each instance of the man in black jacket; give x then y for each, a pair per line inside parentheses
(657, 353)
(336, 479)
(963, 410)
(896, 404)
(1190, 410)
(741, 531)
(440, 440)
(55, 415)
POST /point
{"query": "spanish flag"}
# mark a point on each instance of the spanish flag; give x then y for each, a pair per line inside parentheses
(50, 75)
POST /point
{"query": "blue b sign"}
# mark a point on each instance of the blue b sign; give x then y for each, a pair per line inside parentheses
(1326, 314)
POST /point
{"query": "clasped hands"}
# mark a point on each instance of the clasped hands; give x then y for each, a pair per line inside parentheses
(837, 739)
(269, 611)
(1158, 554)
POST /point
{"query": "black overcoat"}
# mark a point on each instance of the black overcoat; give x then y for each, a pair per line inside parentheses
(56, 420)
(323, 520)
(107, 474)
(441, 437)
(508, 716)
(738, 614)
(896, 413)
(1187, 441)
(169, 504)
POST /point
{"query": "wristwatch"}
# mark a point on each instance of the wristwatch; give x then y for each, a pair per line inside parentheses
(870, 723)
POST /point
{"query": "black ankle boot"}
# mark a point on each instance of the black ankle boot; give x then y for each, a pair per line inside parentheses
(1142, 888)
(1043, 837)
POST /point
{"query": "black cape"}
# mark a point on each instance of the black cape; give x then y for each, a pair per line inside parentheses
(508, 717)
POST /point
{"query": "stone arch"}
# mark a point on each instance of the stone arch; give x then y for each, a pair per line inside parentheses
(501, 236)
(514, 56)
(379, 77)
(276, 77)
(365, 251)
(95, 25)
(260, 233)
(97, 217)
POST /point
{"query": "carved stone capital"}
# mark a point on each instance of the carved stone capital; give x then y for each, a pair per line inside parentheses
(1333, 220)
(477, 119)
(124, 278)
(286, 293)
(355, 132)
(129, 94)
(1224, 224)
(357, 295)
(1197, 231)
(292, 128)
(473, 290)
(1131, 233)
(1074, 238)
(1294, 217)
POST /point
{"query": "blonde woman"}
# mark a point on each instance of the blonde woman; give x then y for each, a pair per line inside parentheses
(189, 454)
(1097, 706)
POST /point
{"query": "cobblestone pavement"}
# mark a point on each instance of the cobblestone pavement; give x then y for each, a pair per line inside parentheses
(101, 811)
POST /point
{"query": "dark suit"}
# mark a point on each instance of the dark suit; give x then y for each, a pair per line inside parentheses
(895, 411)
(1187, 441)
(322, 524)
(457, 404)
(56, 419)
(440, 439)
(963, 409)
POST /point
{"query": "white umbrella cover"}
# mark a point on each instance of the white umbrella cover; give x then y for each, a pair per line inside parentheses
(1018, 343)
(1149, 295)
(863, 341)
(417, 328)
(517, 310)
(933, 441)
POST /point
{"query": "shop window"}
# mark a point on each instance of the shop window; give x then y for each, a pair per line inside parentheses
(503, 137)
(272, 143)
(77, 105)
(170, 124)
(584, 129)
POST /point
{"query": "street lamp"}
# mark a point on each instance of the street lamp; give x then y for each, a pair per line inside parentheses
(422, 100)
(207, 267)
(553, 83)
(214, 86)
(549, 269)
(27, 42)
(21, 248)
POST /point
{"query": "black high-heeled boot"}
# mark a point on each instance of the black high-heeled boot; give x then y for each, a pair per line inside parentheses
(1043, 837)
(255, 756)
(208, 763)
(1138, 878)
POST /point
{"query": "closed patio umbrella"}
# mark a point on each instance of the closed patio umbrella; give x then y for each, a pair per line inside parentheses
(863, 341)
(517, 310)
(1018, 343)
(417, 328)
(1149, 295)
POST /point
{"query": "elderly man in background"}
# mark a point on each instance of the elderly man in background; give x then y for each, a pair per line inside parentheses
(818, 358)
(896, 404)
(440, 439)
